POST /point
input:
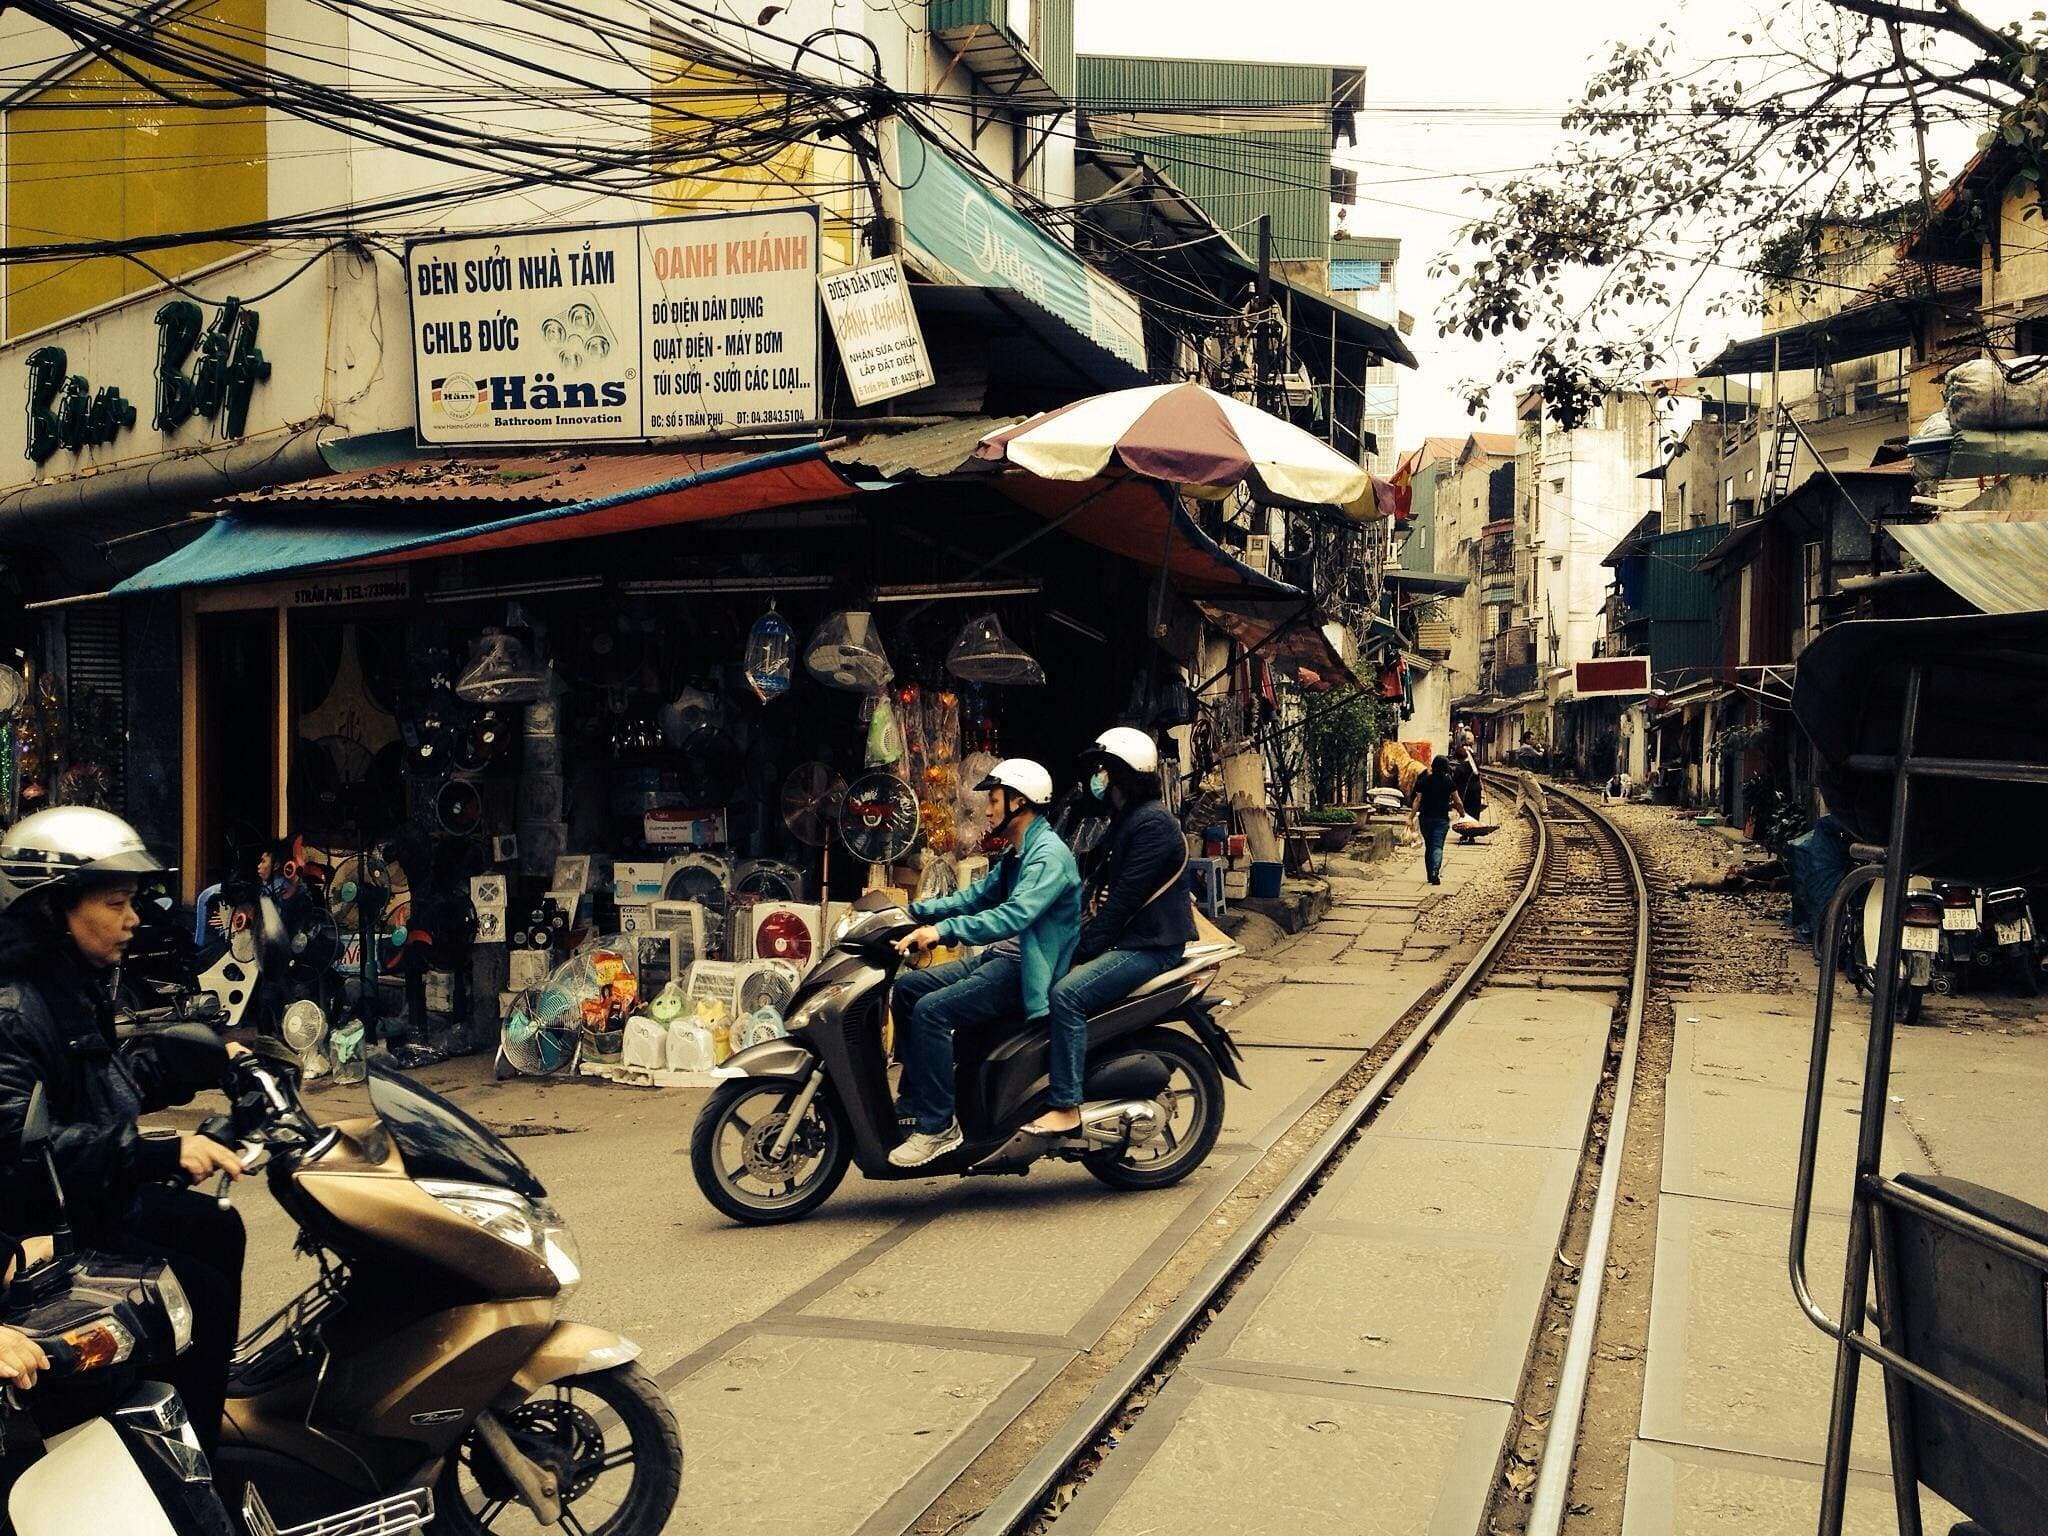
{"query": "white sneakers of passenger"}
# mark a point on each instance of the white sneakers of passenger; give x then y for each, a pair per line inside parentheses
(921, 1147)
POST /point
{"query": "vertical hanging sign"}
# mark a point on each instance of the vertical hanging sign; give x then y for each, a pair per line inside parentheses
(672, 328)
(881, 345)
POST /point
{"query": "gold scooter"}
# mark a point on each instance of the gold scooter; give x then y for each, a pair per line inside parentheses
(429, 1349)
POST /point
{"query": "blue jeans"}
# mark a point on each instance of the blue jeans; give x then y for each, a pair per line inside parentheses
(1434, 830)
(929, 1006)
(1088, 988)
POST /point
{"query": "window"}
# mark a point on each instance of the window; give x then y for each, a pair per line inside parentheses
(94, 156)
(1557, 562)
(1557, 487)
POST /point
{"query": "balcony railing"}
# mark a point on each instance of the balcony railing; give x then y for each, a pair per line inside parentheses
(1519, 679)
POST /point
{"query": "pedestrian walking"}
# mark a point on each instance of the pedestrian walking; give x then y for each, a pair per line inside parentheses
(1471, 792)
(1435, 793)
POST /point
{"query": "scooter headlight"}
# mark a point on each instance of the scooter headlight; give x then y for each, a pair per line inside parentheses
(177, 1310)
(510, 1217)
(845, 922)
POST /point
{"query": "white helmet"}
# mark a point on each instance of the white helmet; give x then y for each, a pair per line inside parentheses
(65, 844)
(1027, 778)
(1133, 748)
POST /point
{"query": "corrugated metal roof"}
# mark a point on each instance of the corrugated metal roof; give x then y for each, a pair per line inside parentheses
(1997, 567)
(1366, 247)
(925, 452)
(1237, 176)
(528, 478)
(1122, 81)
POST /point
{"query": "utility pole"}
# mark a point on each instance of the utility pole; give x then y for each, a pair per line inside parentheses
(1264, 342)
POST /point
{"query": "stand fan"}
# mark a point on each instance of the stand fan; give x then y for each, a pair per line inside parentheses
(880, 823)
(812, 797)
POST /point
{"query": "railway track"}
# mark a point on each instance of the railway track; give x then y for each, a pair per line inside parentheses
(1580, 923)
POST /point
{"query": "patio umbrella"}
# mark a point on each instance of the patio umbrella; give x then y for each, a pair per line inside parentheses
(1185, 436)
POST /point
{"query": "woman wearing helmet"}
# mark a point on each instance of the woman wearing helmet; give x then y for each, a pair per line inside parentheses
(1028, 911)
(68, 878)
(1140, 919)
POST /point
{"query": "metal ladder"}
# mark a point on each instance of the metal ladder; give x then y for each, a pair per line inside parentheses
(1783, 457)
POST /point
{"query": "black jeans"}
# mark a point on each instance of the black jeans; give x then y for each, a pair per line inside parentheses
(204, 1245)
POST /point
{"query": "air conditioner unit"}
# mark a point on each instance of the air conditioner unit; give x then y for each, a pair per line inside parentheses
(1258, 552)
(782, 930)
(689, 927)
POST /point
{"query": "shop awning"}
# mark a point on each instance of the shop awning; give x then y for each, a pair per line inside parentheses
(1288, 631)
(1128, 518)
(1998, 567)
(428, 508)
(1439, 583)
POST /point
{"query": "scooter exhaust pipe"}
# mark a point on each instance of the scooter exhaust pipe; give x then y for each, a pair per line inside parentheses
(1116, 1123)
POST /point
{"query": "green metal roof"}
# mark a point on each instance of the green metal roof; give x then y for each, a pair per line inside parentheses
(1365, 248)
(1111, 80)
(1237, 177)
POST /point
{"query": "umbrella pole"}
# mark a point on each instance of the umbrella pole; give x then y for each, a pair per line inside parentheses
(1172, 499)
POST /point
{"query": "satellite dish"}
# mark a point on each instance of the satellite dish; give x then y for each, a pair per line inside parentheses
(846, 652)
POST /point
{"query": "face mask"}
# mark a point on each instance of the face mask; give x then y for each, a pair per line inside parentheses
(1098, 786)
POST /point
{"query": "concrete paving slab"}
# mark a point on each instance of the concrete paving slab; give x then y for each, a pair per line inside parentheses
(1761, 1039)
(1445, 1314)
(1975, 1099)
(1475, 1101)
(1352, 1015)
(1220, 1454)
(1733, 1363)
(1677, 1491)
(1726, 1138)
(1515, 1194)
(1039, 1256)
(1393, 972)
(1312, 948)
(1382, 939)
(1284, 1082)
(1544, 1043)
(864, 1450)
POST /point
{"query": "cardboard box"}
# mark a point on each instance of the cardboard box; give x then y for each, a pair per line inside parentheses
(636, 917)
(636, 882)
(530, 967)
(544, 718)
(440, 990)
(684, 827)
(540, 798)
(542, 754)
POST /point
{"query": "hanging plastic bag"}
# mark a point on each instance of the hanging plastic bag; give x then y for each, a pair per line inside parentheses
(350, 1064)
(885, 735)
(770, 658)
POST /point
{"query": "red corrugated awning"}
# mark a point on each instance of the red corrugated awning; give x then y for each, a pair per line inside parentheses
(1128, 517)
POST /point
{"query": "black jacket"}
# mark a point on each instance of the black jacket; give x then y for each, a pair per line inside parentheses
(1142, 851)
(57, 1029)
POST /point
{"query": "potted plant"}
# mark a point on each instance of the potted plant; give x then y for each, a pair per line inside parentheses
(1335, 825)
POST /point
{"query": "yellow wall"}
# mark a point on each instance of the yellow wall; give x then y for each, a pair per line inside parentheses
(712, 170)
(2022, 272)
(96, 157)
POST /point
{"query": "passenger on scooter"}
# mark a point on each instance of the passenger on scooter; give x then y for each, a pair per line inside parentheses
(1140, 920)
(68, 878)
(1028, 911)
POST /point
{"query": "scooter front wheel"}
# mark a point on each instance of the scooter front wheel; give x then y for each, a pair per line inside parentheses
(610, 1438)
(1194, 1117)
(732, 1151)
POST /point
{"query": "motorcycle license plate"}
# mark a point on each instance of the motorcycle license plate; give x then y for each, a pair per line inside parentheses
(1925, 939)
(1959, 919)
(2014, 933)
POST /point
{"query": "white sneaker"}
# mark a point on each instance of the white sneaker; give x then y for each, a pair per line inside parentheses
(920, 1147)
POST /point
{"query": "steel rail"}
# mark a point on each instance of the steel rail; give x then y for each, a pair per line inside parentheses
(1025, 1492)
(1554, 1470)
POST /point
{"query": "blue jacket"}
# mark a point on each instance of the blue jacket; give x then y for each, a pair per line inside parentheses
(1144, 899)
(1032, 895)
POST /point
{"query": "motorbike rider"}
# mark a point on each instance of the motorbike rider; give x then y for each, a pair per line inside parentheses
(1028, 911)
(68, 878)
(1140, 920)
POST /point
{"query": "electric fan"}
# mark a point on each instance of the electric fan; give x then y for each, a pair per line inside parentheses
(982, 653)
(846, 652)
(785, 930)
(768, 880)
(543, 1033)
(813, 797)
(939, 877)
(500, 672)
(880, 823)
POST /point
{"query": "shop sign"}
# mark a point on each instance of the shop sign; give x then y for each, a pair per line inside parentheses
(881, 345)
(204, 369)
(1614, 676)
(960, 232)
(350, 587)
(665, 328)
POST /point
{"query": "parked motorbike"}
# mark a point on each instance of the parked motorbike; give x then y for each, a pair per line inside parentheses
(2010, 937)
(428, 1349)
(1923, 966)
(772, 1144)
(136, 1469)
(1962, 926)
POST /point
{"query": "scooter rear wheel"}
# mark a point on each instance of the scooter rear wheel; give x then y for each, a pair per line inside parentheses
(731, 1149)
(1194, 1120)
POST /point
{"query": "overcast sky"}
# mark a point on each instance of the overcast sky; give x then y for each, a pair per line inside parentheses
(1509, 69)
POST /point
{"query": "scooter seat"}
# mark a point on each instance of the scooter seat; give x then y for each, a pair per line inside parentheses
(1195, 958)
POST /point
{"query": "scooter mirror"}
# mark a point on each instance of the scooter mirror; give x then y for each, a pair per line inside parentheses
(191, 1052)
(35, 1124)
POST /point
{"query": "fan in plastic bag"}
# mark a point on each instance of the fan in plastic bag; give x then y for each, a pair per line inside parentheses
(768, 880)
(846, 652)
(500, 672)
(982, 653)
(692, 710)
(769, 661)
(542, 1033)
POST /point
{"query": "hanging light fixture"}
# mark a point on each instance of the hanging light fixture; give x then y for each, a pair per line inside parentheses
(983, 653)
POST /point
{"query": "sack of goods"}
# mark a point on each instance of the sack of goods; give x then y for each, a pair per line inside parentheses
(1987, 393)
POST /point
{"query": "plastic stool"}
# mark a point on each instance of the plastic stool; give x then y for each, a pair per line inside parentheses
(1205, 880)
